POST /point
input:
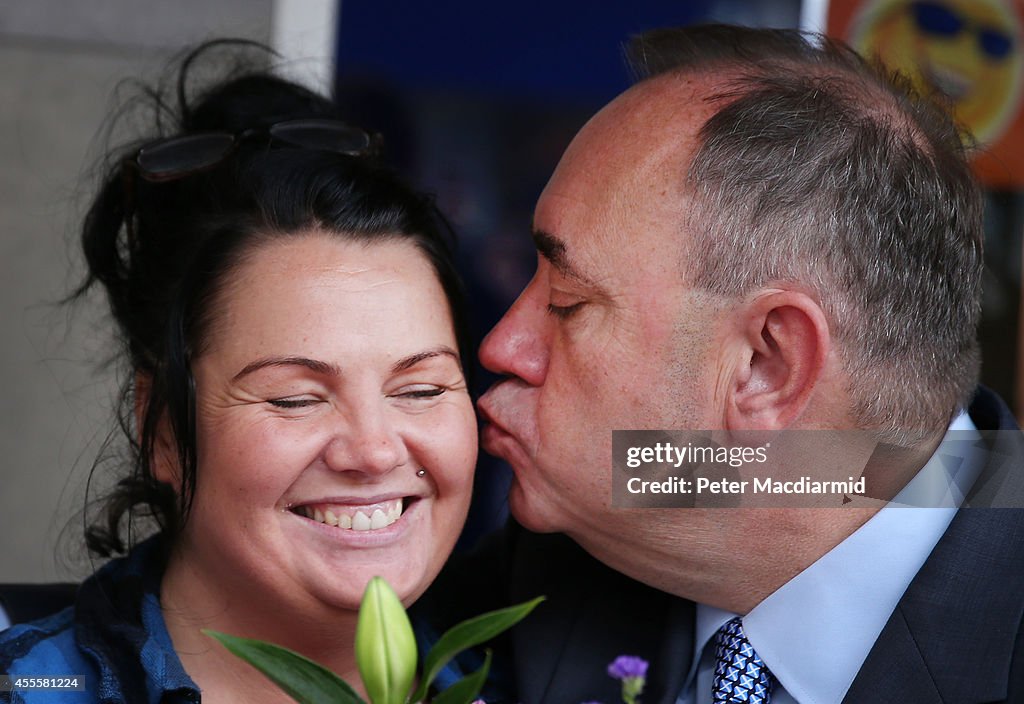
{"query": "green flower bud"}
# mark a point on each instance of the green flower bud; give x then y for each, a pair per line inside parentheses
(385, 645)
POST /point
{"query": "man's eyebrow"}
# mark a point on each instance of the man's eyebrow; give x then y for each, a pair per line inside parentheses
(553, 249)
(414, 359)
(325, 368)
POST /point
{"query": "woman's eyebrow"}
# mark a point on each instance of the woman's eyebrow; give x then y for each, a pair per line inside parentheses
(315, 365)
(328, 369)
(414, 359)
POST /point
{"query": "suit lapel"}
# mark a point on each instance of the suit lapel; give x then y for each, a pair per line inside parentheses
(952, 636)
(895, 670)
(592, 615)
(549, 566)
(673, 663)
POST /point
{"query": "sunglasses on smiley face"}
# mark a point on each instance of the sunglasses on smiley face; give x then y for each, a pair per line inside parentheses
(940, 20)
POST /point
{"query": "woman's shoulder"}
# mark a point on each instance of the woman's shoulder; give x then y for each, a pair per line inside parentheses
(50, 640)
(113, 639)
(42, 659)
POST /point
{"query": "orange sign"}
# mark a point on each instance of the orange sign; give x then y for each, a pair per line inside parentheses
(970, 50)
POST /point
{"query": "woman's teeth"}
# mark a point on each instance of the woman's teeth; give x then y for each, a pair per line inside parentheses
(372, 517)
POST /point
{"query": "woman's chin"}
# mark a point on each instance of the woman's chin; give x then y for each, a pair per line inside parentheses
(347, 594)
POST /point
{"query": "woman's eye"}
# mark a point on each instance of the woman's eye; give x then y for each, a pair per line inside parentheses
(421, 392)
(292, 402)
(564, 312)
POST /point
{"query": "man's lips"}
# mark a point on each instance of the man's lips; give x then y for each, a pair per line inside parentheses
(495, 437)
(482, 407)
(491, 437)
(485, 406)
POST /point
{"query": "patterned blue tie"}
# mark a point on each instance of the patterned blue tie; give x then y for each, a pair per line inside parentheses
(740, 675)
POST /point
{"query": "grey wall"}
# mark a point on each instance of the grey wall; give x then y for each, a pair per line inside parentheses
(60, 61)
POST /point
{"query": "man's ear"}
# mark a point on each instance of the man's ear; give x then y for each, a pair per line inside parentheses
(164, 462)
(785, 340)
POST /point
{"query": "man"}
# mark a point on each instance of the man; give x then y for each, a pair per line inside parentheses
(763, 234)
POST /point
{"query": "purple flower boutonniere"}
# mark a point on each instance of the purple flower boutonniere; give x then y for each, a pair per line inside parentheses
(632, 672)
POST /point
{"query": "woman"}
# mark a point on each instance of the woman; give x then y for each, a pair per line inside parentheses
(298, 413)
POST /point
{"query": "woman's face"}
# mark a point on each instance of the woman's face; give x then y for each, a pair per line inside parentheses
(336, 437)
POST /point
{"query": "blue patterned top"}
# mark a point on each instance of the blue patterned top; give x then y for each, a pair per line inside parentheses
(114, 637)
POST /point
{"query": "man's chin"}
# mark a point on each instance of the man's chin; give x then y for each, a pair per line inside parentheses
(526, 511)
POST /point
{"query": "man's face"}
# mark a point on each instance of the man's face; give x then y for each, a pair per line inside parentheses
(607, 335)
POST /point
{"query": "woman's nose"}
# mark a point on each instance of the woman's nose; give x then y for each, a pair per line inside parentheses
(370, 443)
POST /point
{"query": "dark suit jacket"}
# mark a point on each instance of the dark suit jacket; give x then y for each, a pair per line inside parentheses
(955, 636)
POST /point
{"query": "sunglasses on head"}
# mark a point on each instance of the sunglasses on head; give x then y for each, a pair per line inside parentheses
(178, 157)
(940, 20)
(175, 158)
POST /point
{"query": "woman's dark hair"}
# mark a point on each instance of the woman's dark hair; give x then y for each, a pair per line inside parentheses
(188, 233)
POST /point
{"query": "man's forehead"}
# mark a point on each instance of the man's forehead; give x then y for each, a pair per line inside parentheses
(629, 162)
(675, 98)
(643, 136)
(620, 187)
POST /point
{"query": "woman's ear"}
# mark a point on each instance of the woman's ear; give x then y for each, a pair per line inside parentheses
(786, 340)
(164, 462)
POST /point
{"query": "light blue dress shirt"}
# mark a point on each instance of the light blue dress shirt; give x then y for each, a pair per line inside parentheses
(816, 630)
(4, 621)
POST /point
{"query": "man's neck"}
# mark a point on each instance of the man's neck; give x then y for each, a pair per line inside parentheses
(733, 558)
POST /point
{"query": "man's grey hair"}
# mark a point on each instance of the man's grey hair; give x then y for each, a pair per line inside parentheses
(822, 170)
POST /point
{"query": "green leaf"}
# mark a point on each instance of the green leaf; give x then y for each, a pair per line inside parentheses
(385, 645)
(302, 679)
(464, 635)
(465, 690)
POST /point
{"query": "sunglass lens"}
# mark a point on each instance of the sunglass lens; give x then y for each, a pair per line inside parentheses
(183, 155)
(995, 44)
(327, 135)
(935, 18)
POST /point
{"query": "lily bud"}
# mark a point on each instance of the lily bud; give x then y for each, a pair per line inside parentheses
(385, 645)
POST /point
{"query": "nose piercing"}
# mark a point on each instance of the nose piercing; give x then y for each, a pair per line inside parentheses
(421, 473)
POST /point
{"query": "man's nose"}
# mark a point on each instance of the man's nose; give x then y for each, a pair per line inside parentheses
(367, 442)
(518, 344)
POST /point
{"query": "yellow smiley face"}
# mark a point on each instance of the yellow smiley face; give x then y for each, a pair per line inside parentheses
(968, 50)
